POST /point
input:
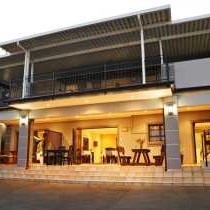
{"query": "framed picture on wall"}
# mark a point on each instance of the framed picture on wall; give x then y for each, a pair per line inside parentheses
(85, 143)
(95, 143)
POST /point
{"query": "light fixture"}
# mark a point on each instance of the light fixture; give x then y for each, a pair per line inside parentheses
(171, 109)
(3, 128)
(23, 120)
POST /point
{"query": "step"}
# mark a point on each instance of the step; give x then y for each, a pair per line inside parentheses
(109, 174)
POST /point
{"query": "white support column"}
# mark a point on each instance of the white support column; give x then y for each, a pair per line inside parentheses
(25, 132)
(3, 128)
(142, 51)
(161, 52)
(163, 73)
(32, 72)
(25, 90)
(171, 124)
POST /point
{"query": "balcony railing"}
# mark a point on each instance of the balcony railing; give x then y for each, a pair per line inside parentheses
(91, 79)
(4, 92)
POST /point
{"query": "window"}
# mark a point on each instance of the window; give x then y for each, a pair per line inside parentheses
(156, 133)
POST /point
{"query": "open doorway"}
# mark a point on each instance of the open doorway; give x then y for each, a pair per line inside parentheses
(202, 142)
(96, 142)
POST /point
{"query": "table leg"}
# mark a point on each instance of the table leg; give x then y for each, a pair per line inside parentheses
(47, 158)
(55, 158)
(134, 157)
(138, 157)
(148, 160)
(145, 158)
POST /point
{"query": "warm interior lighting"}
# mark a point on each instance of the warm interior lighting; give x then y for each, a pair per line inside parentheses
(96, 140)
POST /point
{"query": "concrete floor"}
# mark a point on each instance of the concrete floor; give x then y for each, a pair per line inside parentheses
(21, 195)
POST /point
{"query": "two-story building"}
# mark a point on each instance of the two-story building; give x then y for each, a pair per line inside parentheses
(138, 81)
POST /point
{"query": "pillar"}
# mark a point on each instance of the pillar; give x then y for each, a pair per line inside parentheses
(161, 52)
(142, 51)
(24, 139)
(26, 89)
(171, 124)
(3, 128)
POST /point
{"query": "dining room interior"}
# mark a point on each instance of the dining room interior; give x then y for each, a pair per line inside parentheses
(135, 139)
(126, 140)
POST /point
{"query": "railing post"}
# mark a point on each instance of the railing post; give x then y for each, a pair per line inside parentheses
(53, 83)
(10, 89)
(167, 72)
(105, 76)
(161, 60)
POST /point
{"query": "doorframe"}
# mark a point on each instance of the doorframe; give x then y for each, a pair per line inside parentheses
(194, 140)
(101, 127)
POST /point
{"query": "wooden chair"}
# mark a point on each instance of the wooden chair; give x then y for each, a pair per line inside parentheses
(86, 156)
(110, 156)
(123, 159)
(159, 158)
(69, 157)
(78, 156)
(9, 157)
(61, 147)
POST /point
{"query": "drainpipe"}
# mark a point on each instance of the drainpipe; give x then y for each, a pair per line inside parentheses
(25, 90)
(21, 47)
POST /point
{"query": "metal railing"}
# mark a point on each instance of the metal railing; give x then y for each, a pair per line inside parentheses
(89, 79)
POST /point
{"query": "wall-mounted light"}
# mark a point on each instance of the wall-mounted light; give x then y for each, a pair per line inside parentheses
(3, 128)
(171, 109)
(23, 120)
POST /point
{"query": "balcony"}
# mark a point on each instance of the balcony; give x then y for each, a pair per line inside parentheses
(93, 79)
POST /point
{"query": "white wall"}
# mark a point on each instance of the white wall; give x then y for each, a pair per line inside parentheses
(193, 73)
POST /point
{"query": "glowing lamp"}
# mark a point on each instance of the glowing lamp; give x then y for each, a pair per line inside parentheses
(171, 109)
(23, 120)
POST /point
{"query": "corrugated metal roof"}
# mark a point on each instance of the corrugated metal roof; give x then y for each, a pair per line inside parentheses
(116, 39)
(111, 25)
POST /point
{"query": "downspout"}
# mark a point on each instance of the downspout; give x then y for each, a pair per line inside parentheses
(21, 47)
(26, 70)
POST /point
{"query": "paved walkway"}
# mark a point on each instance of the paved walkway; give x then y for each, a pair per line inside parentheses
(21, 195)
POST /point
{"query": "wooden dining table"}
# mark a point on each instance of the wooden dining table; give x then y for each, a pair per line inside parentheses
(54, 156)
(137, 155)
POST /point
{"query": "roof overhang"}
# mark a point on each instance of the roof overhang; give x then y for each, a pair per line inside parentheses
(114, 25)
(114, 39)
(111, 97)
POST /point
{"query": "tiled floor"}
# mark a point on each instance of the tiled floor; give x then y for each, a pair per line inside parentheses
(21, 195)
